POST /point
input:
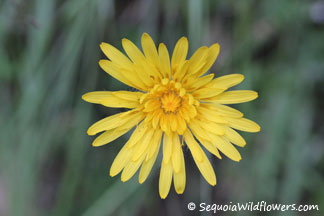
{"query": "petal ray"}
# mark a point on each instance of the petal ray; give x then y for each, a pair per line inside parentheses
(165, 179)
(235, 96)
(226, 81)
(243, 124)
(180, 52)
(202, 161)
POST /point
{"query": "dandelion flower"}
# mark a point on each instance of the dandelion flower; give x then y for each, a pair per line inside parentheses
(176, 104)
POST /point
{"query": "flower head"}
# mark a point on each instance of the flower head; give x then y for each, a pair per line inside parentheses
(175, 105)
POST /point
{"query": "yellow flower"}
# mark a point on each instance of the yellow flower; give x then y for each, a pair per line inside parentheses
(175, 105)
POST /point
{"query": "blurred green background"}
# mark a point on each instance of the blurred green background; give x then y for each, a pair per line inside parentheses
(49, 53)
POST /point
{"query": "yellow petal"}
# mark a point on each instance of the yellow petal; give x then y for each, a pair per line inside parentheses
(243, 124)
(209, 126)
(180, 52)
(113, 134)
(131, 168)
(164, 123)
(141, 76)
(211, 115)
(200, 159)
(181, 71)
(212, 56)
(184, 114)
(142, 145)
(182, 126)
(167, 147)
(151, 105)
(195, 127)
(203, 139)
(137, 135)
(151, 70)
(115, 55)
(165, 60)
(193, 82)
(207, 170)
(109, 122)
(150, 114)
(156, 118)
(131, 122)
(190, 110)
(108, 136)
(149, 49)
(113, 101)
(176, 153)
(226, 147)
(155, 145)
(226, 81)
(113, 70)
(173, 122)
(211, 148)
(147, 167)
(198, 60)
(128, 95)
(165, 179)
(96, 96)
(207, 92)
(120, 161)
(132, 51)
(193, 146)
(179, 179)
(224, 110)
(234, 137)
(235, 96)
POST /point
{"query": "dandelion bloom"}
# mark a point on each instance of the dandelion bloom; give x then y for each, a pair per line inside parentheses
(175, 105)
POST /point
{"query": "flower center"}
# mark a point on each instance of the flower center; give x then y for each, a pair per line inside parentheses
(170, 101)
(169, 106)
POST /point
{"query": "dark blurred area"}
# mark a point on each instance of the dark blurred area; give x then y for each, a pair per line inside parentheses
(49, 53)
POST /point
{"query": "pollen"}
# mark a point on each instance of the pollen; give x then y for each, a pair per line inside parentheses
(169, 107)
(170, 102)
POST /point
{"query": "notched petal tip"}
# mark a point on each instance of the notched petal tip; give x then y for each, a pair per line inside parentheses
(243, 144)
(145, 35)
(111, 174)
(125, 40)
(180, 192)
(184, 38)
(237, 159)
(162, 45)
(163, 196)
(113, 171)
(204, 48)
